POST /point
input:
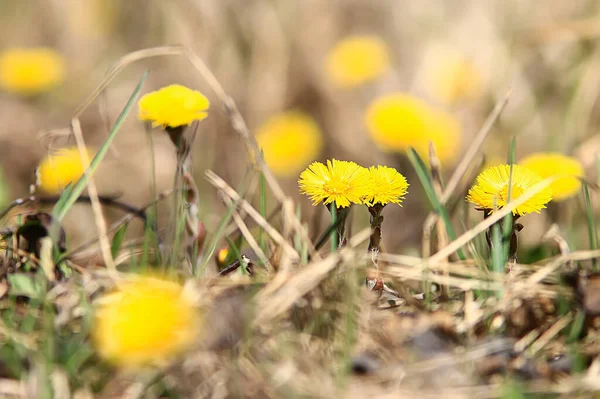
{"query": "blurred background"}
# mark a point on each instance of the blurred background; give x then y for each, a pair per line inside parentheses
(314, 80)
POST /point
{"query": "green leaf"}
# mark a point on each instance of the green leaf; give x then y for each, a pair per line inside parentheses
(24, 285)
(424, 177)
(69, 196)
(591, 221)
(117, 240)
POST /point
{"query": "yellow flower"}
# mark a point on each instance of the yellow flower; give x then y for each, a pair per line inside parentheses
(398, 121)
(491, 190)
(290, 141)
(388, 186)
(449, 76)
(357, 60)
(554, 164)
(59, 169)
(30, 71)
(341, 182)
(173, 106)
(146, 321)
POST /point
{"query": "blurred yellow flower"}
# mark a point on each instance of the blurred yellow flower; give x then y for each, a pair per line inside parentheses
(173, 106)
(491, 190)
(290, 141)
(341, 182)
(145, 321)
(61, 168)
(449, 76)
(398, 121)
(30, 71)
(555, 164)
(357, 60)
(388, 186)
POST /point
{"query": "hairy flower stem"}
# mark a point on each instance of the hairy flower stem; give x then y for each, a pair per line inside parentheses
(376, 221)
(510, 235)
(188, 207)
(341, 214)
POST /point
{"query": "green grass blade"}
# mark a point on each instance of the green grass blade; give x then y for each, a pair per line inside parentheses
(508, 220)
(334, 237)
(211, 246)
(425, 179)
(591, 221)
(117, 240)
(262, 242)
(69, 197)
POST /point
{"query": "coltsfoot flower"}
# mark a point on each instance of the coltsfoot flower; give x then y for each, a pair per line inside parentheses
(398, 121)
(173, 106)
(341, 182)
(290, 141)
(388, 186)
(357, 60)
(31, 71)
(146, 321)
(449, 76)
(491, 190)
(555, 164)
(60, 169)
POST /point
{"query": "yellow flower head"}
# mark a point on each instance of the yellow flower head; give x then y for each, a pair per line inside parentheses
(61, 168)
(388, 186)
(554, 164)
(30, 71)
(146, 321)
(173, 106)
(449, 76)
(491, 190)
(398, 121)
(357, 60)
(341, 182)
(290, 141)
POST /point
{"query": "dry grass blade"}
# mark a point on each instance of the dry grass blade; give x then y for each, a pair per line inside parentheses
(473, 150)
(550, 333)
(249, 237)
(273, 301)
(96, 207)
(253, 213)
(486, 223)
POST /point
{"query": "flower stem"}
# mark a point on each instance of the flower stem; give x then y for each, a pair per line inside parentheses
(338, 216)
(376, 221)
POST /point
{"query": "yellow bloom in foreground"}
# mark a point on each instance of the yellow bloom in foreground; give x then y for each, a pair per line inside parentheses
(59, 169)
(491, 190)
(173, 106)
(449, 76)
(554, 164)
(341, 182)
(357, 60)
(146, 321)
(398, 121)
(290, 141)
(388, 186)
(29, 71)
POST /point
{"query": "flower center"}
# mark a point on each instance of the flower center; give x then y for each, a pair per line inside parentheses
(336, 187)
(515, 193)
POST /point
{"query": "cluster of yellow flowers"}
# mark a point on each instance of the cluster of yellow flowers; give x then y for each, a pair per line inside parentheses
(290, 141)
(147, 320)
(31, 71)
(491, 189)
(345, 183)
(61, 168)
(173, 106)
(398, 121)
